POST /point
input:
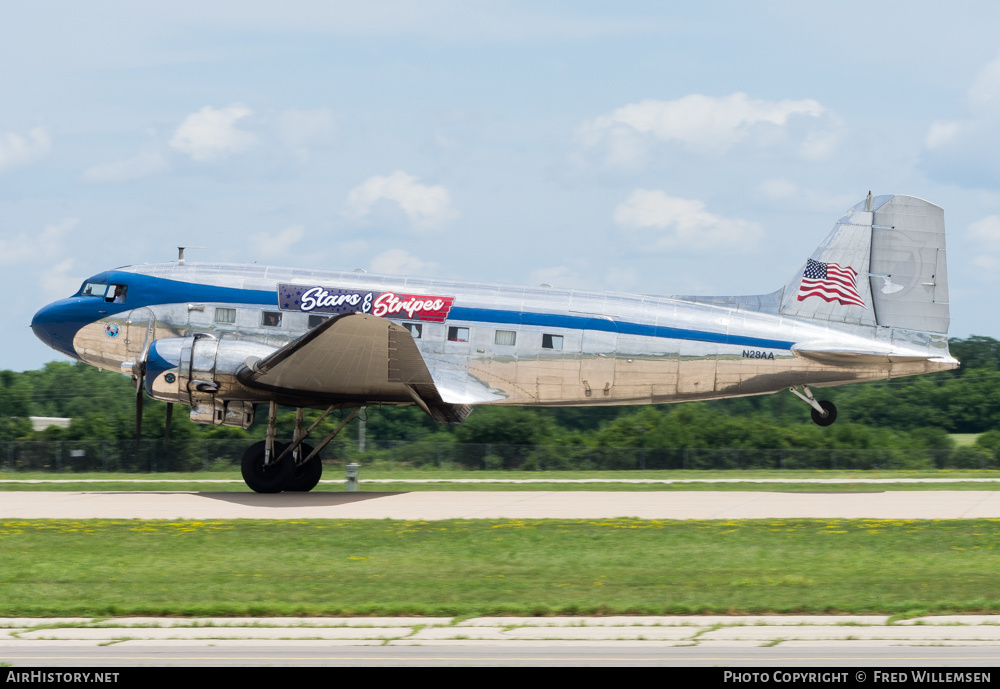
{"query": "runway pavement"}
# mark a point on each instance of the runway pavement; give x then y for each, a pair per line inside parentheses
(748, 641)
(435, 505)
(769, 641)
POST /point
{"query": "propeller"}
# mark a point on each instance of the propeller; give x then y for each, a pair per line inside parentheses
(138, 373)
(166, 425)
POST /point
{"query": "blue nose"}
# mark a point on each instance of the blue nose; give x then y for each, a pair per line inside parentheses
(57, 324)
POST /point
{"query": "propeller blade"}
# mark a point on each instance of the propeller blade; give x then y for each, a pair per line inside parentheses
(166, 426)
(138, 413)
(138, 373)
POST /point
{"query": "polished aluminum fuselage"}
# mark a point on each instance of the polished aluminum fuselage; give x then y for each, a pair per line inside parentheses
(599, 348)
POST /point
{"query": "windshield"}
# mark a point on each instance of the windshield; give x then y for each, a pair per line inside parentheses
(93, 289)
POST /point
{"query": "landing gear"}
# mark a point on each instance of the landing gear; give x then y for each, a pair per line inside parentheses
(831, 414)
(306, 475)
(824, 412)
(263, 476)
(294, 467)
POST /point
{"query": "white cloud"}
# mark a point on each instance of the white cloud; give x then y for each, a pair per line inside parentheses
(300, 130)
(400, 262)
(986, 231)
(50, 253)
(210, 134)
(144, 164)
(57, 282)
(819, 145)
(707, 125)
(50, 244)
(990, 264)
(17, 151)
(940, 134)
(780, 189)
(622, 147)
(269, 246)
(426, 206)
(966, 149)
(661, 222)
(984, 94)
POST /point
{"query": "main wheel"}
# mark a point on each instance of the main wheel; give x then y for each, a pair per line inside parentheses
(831, 414)
(306, 476)
(266, 479)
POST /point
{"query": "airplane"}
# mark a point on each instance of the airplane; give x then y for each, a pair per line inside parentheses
(870, 303)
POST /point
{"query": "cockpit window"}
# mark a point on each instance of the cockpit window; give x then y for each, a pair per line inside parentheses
(93, 289)
(116, 294)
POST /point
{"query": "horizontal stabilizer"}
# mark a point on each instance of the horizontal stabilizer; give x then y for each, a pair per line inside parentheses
(846, 357)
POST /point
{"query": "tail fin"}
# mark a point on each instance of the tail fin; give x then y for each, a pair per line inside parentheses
(882, 265)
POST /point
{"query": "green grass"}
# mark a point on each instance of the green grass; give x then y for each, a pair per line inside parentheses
(199, 481)
(496, 567)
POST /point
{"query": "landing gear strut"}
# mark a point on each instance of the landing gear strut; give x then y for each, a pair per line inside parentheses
(824, 412)
(271, 467)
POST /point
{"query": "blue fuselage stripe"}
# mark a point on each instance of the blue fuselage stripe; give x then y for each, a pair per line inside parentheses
(150, 291)
(550, 320)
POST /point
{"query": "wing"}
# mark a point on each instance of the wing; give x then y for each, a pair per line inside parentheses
(354, 357)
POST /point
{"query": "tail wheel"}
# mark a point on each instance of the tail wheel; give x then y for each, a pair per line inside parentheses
(306, 476)
(831, 414)
(271, 478)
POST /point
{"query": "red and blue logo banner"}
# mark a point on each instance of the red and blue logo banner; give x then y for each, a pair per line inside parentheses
(332, 300)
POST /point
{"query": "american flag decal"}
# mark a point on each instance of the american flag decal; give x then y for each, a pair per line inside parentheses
(830, 282)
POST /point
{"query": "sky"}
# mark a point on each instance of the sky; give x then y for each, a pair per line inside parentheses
(650, 147)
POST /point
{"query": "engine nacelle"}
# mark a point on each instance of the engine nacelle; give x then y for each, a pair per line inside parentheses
(200, 371)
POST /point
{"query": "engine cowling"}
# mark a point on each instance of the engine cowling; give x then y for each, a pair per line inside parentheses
(200, 370)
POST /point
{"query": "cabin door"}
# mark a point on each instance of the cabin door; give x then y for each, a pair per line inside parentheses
(141, 324)
(597, 362)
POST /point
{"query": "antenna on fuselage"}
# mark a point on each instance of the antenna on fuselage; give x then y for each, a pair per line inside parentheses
(180, 252)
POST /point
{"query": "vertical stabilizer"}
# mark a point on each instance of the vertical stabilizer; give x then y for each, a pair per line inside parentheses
(833, 284)
(883, 264)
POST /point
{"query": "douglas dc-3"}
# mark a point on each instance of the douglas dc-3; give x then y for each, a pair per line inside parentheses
(871, 303)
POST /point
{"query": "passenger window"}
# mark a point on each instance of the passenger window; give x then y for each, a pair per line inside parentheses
(416, 329)
(271, 319)
(225, 315)
(116, 294)
(552, 341)
(316, 320)
(505, 337)
(458, 334)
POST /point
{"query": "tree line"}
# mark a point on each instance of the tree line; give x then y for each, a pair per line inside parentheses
(906, 413)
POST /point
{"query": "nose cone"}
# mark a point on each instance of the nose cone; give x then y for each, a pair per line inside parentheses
(57, 324)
